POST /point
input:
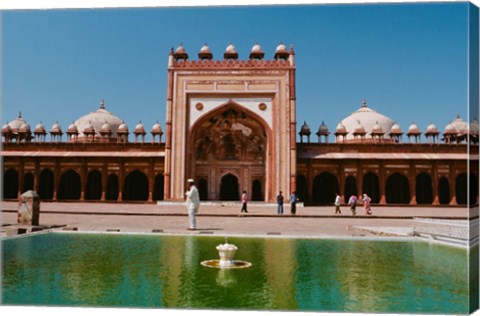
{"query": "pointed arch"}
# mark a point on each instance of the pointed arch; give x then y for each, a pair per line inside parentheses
(158, 192)
(135, 186)
(10, 184)
(325, 187)
(70, 186)
(302, 188)
(229, 189)
(397, 189)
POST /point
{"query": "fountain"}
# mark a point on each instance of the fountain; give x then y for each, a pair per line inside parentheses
(226, 252)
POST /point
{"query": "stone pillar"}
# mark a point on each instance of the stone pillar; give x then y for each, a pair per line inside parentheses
(436, 199)
(104, 180)
(29, 209)
(381, 184)
(452, 178)
(151, 180)
(341, 182)
(56, 179)
(359, 181)
(412, 182)
(121, 183)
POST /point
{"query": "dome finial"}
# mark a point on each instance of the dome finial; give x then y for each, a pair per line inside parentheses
(102, 104)
(20, 114)
(364, 103)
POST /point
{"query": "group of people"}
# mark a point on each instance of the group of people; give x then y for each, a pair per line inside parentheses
(352, 202)
(193, 203)
(280, 199)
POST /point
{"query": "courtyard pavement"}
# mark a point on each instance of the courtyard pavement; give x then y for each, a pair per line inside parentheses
(226, 219)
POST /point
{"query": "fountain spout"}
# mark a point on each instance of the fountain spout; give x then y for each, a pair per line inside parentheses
(226, 253)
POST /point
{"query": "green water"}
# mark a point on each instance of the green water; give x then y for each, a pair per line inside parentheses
(287, 274)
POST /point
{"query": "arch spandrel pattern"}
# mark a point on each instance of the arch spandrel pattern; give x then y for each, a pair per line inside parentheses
(231, 134)
(230, 139)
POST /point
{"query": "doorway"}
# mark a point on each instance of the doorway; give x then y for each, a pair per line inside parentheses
(229, 188)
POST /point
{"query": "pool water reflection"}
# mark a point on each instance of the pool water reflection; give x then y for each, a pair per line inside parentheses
(287, 274)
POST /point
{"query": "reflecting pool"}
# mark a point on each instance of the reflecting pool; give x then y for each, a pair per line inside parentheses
(117, 270)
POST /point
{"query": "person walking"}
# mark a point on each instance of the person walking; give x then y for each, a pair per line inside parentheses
(352, 201)
(192, 203)
(280, 203)
(338, 201)
(293, 203)
(244, 202)
(366, 204)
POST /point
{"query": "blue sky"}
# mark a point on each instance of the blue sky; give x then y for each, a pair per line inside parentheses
(408, 60)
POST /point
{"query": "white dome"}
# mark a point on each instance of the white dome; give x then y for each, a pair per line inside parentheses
(6, 128)
(24, 128)
(231, 49)
(396, 129)
(359, 128)
(106, 128)
(40, 128)
(323, 129)
(139, 129)
(450, 129)
(205, 49)
(72, 128)
(367, 118)
(56, 128)
(432, 129)
(97, 119)
(281, 48)
(180, 49)
(123, 128)
(340, 129)
(305, 129)
(16, 123)
(156, 128)
(413, 129)
(460, 125)
(377, 129)
(257, 49)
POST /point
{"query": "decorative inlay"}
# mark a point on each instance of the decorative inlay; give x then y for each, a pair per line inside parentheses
(199, 106)
(262, 106)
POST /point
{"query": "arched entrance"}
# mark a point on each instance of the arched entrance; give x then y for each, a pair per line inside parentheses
(257, 194)
(350, 187)
(70, 186)
(473, 189)
(231, 140)
(158, 188)
(397, 189)
(112, 188)
(203, 189)
(443, 191)
(45, 187)
(10, 184)
(466, 189)
(136, 187)
(94, 185)
(423, 189)
(325, 186)
(302, 188)
(27, 182)
(229, 188)
(371, 187)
